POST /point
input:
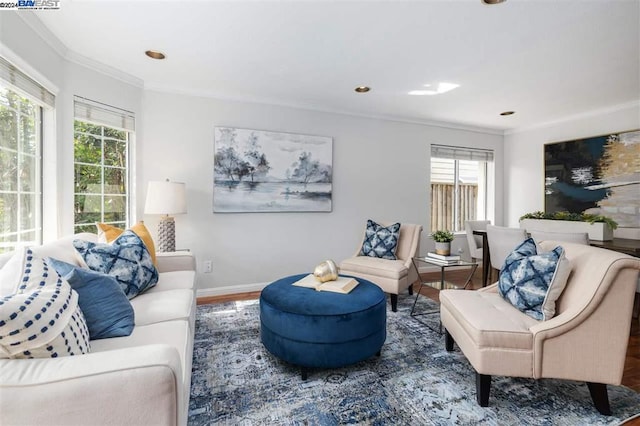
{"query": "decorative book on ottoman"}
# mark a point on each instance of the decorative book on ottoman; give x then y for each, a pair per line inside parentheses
(340, 285)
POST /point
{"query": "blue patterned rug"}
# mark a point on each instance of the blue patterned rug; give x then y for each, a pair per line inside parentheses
(414, 382)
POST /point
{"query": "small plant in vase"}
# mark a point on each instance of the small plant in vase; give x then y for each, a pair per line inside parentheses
(443, 242)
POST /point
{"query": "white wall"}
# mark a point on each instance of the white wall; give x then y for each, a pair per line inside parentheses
(380, 168)
(380, 171)
(523, 151)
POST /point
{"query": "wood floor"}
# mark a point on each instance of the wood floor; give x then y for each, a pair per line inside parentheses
(631, 376)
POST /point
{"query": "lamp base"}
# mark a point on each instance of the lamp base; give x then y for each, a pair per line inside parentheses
(166, 234)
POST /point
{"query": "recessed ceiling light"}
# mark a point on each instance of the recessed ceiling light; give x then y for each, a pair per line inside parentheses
(362, 89)
(442, 88)
(493, 1)
(154, 54)
(508, 113)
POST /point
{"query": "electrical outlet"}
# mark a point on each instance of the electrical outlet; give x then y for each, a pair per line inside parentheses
(460, 250)
(207, 266)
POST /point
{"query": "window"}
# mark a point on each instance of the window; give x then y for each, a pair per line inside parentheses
(459, 186)
(22, 101)
(101, 144)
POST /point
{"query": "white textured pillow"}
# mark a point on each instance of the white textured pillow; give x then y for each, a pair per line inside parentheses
(11, 272)
(42, 319)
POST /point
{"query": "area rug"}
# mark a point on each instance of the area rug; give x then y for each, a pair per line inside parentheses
(236, 381)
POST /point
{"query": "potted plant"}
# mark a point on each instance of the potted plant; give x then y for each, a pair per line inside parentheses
(443, 242)
(599, 227)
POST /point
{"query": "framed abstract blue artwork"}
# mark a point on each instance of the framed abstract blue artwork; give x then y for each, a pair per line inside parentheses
(596, 175)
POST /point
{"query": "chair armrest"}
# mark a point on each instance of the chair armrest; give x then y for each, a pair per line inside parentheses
(493, 288)
(175, 261)
(139, 385)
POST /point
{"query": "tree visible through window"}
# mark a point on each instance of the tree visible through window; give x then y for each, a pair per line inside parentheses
(101, 176)
(20, 171)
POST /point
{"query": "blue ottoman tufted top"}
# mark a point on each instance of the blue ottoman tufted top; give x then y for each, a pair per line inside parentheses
(306, 301)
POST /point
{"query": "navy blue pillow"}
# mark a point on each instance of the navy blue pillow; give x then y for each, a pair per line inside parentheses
(106, 308)
(380, 241)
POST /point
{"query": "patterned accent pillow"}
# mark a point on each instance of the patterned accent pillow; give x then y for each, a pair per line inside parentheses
(108, 233)
(380, 241)
(126, 259)
(42, 319)
(106, 308)
(533, 282)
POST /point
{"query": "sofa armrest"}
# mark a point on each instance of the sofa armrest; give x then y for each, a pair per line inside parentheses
(175, 261)
(139, 385)
(493, 288)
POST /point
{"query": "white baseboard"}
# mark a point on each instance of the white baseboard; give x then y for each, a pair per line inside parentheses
(232, 289)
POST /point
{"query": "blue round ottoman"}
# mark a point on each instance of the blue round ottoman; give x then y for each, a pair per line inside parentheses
(322, 329)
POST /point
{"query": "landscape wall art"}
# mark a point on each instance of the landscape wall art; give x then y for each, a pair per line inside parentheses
(263, 171)
(596, 175)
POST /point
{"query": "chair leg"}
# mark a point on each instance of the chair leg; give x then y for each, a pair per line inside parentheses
(394, 302)
(448, 341)
(411, 290)
(600, 397)
(483, 388)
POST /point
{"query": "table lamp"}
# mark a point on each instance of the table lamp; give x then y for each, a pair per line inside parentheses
(166, 198)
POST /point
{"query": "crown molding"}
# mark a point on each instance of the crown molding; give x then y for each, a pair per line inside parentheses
(102, 68)
(32, 20)
(575, 117)
(316, 108)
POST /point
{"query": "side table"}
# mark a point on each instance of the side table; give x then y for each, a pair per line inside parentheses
(439, 285)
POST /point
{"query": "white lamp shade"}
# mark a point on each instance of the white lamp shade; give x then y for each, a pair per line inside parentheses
(165, 198)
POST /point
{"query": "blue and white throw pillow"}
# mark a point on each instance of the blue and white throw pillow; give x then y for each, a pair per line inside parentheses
(43, 318)
(533, 282)
(126, 259)
(106, 308)
(380, 241)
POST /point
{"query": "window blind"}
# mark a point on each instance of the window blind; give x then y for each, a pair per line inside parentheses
(461, 153)
(21, 82)
(102, 114)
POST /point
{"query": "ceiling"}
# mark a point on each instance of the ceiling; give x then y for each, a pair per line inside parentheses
(545, 60)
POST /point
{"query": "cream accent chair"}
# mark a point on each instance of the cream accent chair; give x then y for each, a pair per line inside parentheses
(568, 237)
(502, 241)
(392, 276)
(586, 340)
(475, 241)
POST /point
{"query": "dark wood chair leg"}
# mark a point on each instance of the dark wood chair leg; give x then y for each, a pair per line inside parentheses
(600, 397)
(304, 373)
(411, 290)
(394, 302)
(483, 388)
(448, 341)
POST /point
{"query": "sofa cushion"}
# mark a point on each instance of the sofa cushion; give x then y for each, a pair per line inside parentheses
(126, 259)
(42, 319)
(380, 241)
(173, 333)
(533, 282)
(109, 233)
(105, 306)
(488, 319)
(162, 306)
(173, 281)
(394, 269)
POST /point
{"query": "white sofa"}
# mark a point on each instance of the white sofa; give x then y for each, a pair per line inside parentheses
(143, 378)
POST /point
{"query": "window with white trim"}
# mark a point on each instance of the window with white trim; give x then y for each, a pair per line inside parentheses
(22, 101)
(460, 186)
(102, 142)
